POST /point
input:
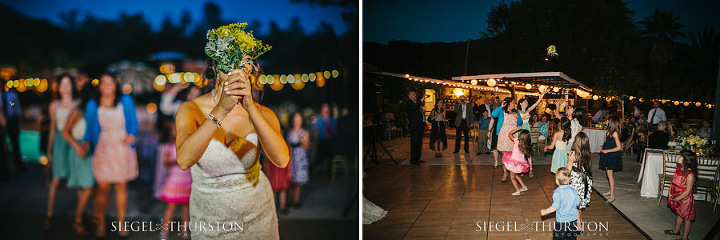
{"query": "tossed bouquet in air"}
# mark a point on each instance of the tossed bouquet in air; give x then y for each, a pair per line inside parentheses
(228, 44)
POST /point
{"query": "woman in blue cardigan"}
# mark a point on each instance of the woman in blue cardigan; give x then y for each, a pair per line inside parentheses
(112, 128)
(502, 128)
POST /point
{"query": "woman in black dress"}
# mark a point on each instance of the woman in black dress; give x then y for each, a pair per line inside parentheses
(438, 139)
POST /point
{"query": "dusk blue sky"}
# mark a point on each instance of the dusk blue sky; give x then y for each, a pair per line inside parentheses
(280, 11)
(459, 20)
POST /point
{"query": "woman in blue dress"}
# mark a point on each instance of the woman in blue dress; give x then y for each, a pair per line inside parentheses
(611, 155)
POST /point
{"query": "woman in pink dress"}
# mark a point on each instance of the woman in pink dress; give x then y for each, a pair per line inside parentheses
(111, 129)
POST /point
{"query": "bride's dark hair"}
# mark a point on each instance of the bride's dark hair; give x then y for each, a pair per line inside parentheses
(211, 76)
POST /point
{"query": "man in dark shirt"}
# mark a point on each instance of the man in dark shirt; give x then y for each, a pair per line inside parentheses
(660, 138)
(416, 125)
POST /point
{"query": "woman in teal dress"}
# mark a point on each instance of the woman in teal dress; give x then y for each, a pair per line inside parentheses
(81, 172)
(58, 148)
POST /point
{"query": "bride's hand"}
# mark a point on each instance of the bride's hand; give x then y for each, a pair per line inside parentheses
(227, 101)
(238, 86)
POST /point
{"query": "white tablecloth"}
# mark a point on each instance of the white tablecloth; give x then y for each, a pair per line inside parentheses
(596, 137)
(650, 174)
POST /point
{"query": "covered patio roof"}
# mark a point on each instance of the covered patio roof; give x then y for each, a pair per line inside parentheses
(536, 79)
(449, 83)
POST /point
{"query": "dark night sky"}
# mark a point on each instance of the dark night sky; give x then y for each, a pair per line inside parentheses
(459, 20)
(280, 11)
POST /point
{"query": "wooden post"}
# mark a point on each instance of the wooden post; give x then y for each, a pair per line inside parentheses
(716, 116)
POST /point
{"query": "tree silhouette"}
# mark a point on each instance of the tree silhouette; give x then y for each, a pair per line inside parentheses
(662, 27)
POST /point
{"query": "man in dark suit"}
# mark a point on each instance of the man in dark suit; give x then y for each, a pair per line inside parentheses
(464, 119)
(485, 107)
(659, 139)
(416, 119)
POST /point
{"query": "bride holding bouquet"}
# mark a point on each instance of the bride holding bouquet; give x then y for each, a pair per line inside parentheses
(220, 136)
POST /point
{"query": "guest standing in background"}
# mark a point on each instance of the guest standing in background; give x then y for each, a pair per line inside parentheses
(112, 128)
(279, 182)
(705, 131)
(508, 120)
(299, 142)
(81, 171)
(611, 155)
(416, 125)
(543, 124)
(483, 127)
(599, 116)
(58, 147)
(636, 111)
(438, 137)
(11, 111)
(464, 120)
(656, 115)
(326, 126)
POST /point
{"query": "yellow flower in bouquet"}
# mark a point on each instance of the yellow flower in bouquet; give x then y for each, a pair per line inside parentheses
(552, 51)
(228, 44)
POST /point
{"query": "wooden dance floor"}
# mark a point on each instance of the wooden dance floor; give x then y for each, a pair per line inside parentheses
(470, 202)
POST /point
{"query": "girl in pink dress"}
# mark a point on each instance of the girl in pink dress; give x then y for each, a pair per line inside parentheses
(177, 186)
(680, 197)
(516, 162)
(111, 130)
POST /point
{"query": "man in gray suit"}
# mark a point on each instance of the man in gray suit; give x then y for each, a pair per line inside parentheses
(464, 119)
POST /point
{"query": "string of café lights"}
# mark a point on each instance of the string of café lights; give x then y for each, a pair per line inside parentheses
(492, 87)
(276, 82)
(38, 84)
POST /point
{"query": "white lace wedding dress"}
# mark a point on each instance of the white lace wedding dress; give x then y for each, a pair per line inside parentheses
(231, 197)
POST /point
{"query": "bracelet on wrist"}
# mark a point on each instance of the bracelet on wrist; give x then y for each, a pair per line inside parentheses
(212, 117)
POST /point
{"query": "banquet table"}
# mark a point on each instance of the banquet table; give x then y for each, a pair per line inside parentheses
(596, 137)
(649, 175)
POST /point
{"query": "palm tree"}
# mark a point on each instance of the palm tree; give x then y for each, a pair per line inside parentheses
(705, 43)
(703, 54)
(662, 27)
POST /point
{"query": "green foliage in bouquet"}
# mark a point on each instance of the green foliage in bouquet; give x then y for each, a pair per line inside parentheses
(228, 44)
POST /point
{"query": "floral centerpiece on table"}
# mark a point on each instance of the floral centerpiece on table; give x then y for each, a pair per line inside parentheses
(228, 44)
(694, 141)
(602, 125)
(685, 133)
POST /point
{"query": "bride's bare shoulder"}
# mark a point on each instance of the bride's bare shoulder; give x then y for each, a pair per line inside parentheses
(191, 110)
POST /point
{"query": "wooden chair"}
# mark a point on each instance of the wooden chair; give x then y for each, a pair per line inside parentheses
(668, 171)
(542, 144)
(631, 141)
(341, 164)
(534, 135)
(717, 190)
(707, 178)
